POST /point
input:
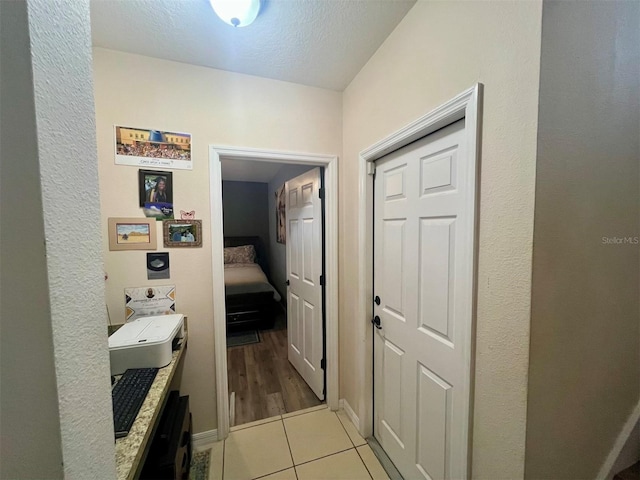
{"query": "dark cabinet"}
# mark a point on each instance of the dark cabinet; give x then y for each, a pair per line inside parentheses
(170, 453)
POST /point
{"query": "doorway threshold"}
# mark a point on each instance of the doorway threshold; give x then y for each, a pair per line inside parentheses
(384, 459)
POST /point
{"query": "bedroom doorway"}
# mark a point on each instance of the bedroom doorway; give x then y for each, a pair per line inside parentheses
(273, 293)
(258, 374)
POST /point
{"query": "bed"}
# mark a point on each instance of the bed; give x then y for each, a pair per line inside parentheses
(251, 300)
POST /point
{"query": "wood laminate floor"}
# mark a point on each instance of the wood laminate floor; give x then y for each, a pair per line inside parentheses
(264, 382)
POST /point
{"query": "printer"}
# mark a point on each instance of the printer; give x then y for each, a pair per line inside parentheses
(146, 342)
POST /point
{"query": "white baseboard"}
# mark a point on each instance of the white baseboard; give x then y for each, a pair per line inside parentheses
(202, 439)
(350, 413)
(623, 437)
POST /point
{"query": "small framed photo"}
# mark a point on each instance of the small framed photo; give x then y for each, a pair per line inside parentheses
(182, 233)
(132, 233)
(155, 187)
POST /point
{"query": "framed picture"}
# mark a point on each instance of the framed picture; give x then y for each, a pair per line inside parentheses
(155, 187)
(281, 216)
(182, 233)
(155, 192)
(132, 234)
(144, 147)
(149, 301)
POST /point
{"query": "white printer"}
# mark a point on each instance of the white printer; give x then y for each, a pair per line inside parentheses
(145, 342)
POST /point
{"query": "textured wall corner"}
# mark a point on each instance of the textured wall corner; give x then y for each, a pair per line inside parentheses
(65, 117)
(29, 417)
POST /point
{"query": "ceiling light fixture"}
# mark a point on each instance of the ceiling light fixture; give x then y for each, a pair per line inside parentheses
(238, 13)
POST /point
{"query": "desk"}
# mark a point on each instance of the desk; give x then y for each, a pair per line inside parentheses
(131, 451)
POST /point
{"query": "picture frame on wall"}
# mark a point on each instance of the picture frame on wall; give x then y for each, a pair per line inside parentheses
(155, 193)
(149, 301)
(155, 186)
(281, 216)
(132, 233)
(145, 147)
(182, 233)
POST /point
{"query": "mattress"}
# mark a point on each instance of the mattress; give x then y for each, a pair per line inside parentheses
(242, 278)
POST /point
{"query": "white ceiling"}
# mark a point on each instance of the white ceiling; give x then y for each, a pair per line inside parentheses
(321, 43)
(249, 171)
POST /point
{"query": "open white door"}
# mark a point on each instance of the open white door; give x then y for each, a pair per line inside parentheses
(304, 268)
(424, 231)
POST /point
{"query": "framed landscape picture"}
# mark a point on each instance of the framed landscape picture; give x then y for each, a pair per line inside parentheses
(132, 233)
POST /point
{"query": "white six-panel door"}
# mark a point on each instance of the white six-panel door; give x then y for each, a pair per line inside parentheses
(304, 268)
(423, 275)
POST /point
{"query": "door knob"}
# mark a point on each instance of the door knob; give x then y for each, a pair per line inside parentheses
(376, 322)
(377, 300)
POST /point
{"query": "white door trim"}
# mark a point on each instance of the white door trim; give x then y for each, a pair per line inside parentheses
(466, 105)
(330, 164)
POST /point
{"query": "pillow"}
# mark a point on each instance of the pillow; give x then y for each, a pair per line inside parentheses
(242, 254)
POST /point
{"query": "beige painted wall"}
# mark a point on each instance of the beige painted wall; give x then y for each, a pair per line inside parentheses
(584, 377)
(436, 52)
(216, 107)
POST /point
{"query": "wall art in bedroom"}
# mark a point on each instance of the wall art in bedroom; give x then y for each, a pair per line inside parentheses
(143, 147)
(182, 233)
(155, 191)
(281, 216)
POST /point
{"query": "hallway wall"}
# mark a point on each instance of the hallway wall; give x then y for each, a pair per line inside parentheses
(217, 108)
(584, 376)
(437, 51)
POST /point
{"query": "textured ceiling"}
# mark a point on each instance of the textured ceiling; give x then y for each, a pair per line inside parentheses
(322, 43)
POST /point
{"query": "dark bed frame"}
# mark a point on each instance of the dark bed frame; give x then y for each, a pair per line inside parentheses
(250, 310)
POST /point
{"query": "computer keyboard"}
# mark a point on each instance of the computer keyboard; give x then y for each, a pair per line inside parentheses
(127, 396)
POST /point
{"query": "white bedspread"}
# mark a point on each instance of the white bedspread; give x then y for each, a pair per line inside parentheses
(247, 278)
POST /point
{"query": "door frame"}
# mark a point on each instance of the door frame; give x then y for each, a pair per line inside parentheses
(330, 164)
(467, 105)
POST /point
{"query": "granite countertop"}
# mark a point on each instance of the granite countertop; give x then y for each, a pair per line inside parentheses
(131, 449)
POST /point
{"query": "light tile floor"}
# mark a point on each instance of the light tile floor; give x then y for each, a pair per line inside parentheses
(312, 444)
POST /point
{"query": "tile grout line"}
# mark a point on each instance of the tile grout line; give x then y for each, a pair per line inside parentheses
(224, 454)
(303, 412)
(364, 463)
(345, 430)
(239, 428)
(273, 473)
(325, 456)
(293, 462)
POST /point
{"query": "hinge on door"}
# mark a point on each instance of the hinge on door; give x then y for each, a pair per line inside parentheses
(321, 193)
(323, 364)
(371, 168)
(322, 280)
